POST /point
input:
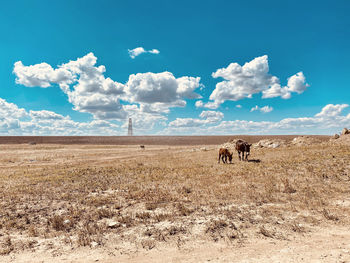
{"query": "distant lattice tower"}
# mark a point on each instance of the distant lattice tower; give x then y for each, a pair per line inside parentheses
(130, 127)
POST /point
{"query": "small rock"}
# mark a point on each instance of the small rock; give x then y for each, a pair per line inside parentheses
(345, 131)
(270, 143)
(257, 218)
(66, 222)
(94, 244)
(336, 136)
(113, 224)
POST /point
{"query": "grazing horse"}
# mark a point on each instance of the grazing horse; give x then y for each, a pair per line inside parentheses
(223, 154)
(243, 147)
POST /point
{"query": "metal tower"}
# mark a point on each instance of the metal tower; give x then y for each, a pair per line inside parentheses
(130, 127)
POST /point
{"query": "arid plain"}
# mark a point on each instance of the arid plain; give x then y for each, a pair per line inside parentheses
(105, 199)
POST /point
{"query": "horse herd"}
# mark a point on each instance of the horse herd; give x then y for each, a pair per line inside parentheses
(241, 147)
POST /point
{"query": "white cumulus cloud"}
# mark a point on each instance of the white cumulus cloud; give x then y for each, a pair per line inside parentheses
(329, 120)
(212, 116)
(332, 110)
(133, 53)
(157, 92)
(207, 117)
(17, 121)
(296, 83)
(199, 104)
(88, 90)
(154, 51)
(41, 75)
(11, 110)
(209, 105)
(264, 109)
(46, 115)
(253, 77)
(160, 87)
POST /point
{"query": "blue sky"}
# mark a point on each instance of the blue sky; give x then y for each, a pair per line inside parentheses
(185, 84)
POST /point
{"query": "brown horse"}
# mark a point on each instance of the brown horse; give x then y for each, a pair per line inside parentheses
(223, 154)
(243, 147)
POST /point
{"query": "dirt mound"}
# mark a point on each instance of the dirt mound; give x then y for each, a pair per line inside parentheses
(270, 143)
(304, 140)
(275, 142)
(342, 139)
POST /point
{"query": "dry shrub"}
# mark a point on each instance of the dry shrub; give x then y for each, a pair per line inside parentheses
(233, 234)
(105, 213)
(297, 227)
(148, 244)
(288, 188)
(270, 187)
(174, 230)
(33, 231)
(90, 232)
(143, 215)
(267, 233)
(84, 238)
(127, 220)
(155, 233)
(163, 217)
(216, 225)
(6, 246)
(57, 223)
(220, 229)
(329, 216)
(186, 190)
(183, 210)
(151, 206)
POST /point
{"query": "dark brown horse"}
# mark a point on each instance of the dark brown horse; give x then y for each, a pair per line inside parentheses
(223, 154)
(243, 147)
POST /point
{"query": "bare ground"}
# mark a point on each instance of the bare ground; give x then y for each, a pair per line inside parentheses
(147, 140)
(324, 244)
(82, 203)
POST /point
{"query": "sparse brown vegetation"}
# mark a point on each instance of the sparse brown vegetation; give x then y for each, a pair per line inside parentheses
(101, 195)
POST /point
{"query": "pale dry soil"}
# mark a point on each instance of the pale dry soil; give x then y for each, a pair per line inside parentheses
(104, 203)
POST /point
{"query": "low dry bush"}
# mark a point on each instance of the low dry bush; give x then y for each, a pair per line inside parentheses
(6, 246)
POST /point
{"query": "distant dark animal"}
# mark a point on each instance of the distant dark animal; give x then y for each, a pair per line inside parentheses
(223, 154)
(142, 147)
(243, 147)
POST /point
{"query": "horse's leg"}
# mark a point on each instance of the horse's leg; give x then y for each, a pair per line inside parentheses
(243, 158)
(219, 158)
(223, 158)
(239, 155)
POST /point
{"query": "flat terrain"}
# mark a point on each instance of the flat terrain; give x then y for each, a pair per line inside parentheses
(137, 140)
(174, 203)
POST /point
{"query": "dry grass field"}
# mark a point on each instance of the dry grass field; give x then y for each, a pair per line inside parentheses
(169, 203)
